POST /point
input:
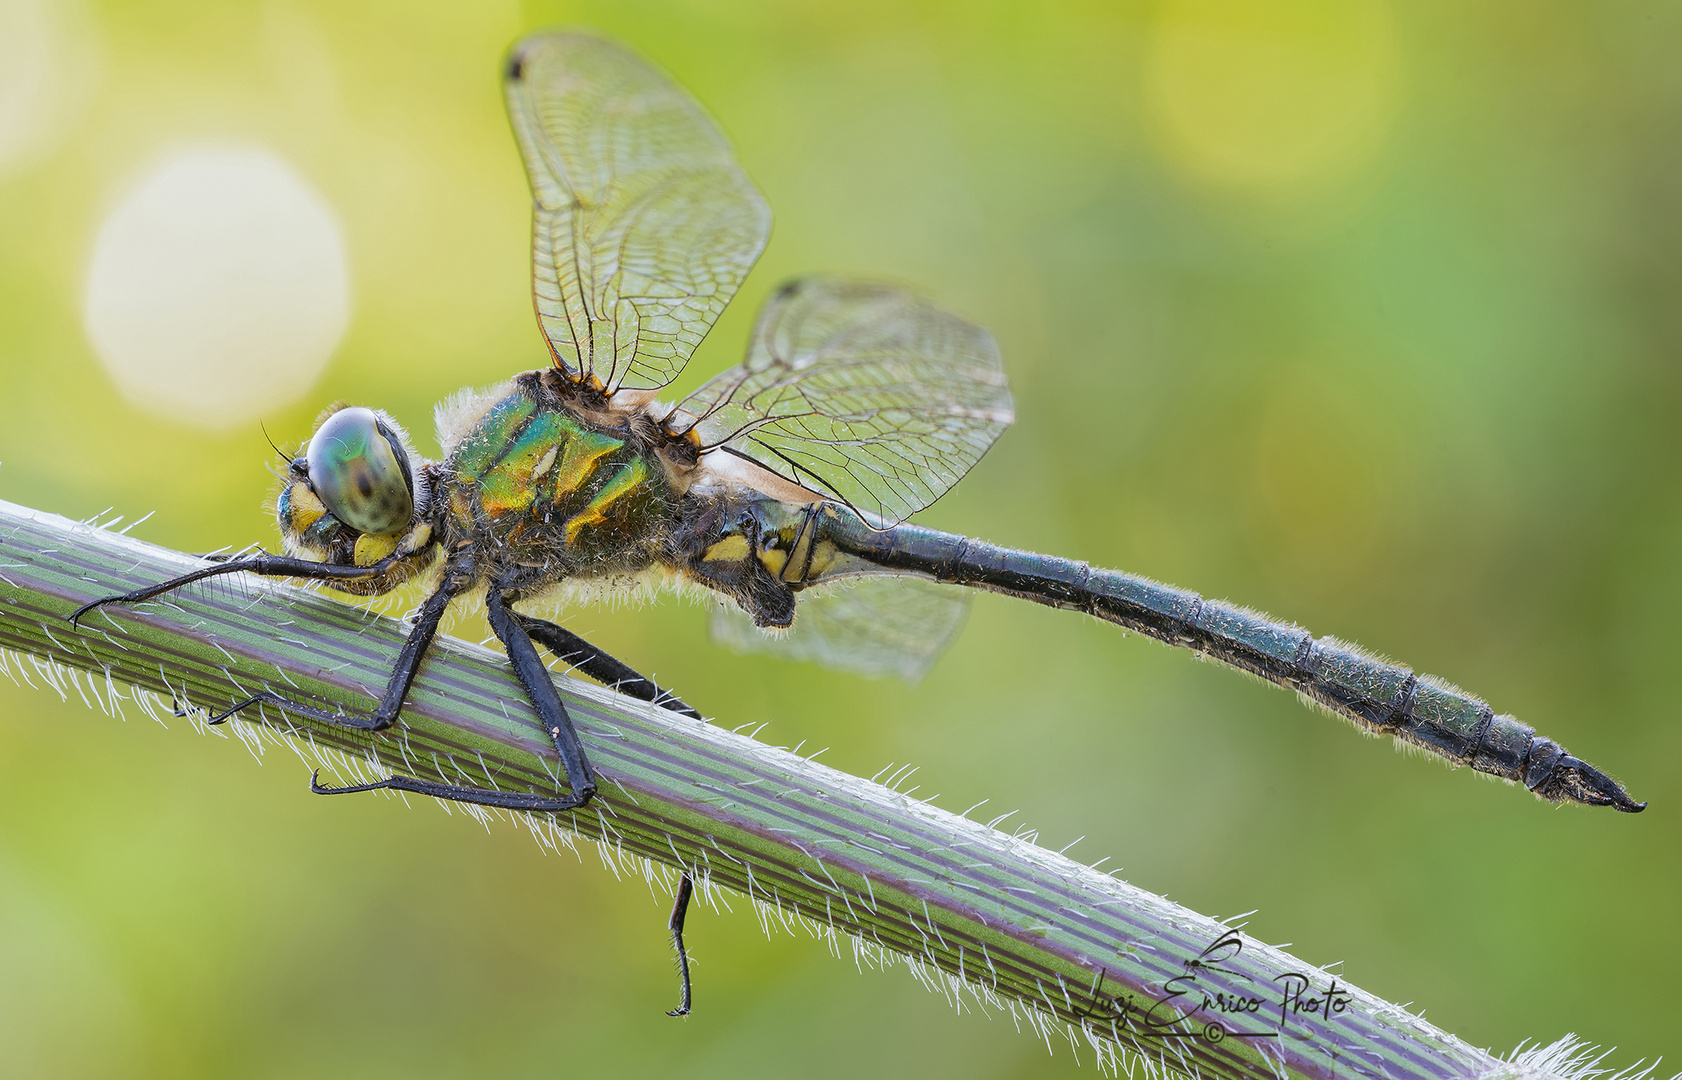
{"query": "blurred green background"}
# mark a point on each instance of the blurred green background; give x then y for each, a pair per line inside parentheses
(1364, 315)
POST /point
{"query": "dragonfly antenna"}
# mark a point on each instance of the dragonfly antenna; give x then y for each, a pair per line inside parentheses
(284, 460)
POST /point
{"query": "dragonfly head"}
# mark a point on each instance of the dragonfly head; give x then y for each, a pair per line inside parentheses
(357, 492)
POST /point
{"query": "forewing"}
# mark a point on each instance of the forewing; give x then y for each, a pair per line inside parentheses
(861, 391)
(643, 224)
(873, 626)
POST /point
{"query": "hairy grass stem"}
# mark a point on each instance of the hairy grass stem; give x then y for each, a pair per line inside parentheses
(986, 918)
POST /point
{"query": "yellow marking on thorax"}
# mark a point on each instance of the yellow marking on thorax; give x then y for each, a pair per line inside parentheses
(503, 495)
(773, 559)
(516, 483)
(371, 549)
(630, 476)
(730, 549)
(583, 450)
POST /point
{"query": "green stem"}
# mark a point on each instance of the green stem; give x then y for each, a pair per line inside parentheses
(1072, 951)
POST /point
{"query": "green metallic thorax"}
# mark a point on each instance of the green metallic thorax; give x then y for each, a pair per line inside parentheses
(544, 488)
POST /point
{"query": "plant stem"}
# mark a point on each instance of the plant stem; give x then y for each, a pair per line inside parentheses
(975, 912)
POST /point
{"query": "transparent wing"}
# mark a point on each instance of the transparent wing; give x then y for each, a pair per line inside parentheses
(861, 391)
(643, 225)
(873, 626)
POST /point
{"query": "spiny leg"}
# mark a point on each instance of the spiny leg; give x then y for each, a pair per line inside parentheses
(505, 800)
(601, 666)
(403, 674)
(621, 677)
(516, 633)
(680, 909)
(539, 686)
(402, 678)
(264, 565)
(555, 721)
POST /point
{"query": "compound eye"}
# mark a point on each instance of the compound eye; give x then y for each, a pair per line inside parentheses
(360, 472)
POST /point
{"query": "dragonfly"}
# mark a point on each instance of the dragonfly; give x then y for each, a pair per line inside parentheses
(781, 486)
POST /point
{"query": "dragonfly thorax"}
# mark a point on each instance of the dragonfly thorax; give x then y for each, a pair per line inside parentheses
(545, 485)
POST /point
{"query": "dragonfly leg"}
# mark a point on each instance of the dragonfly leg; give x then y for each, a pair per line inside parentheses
(264, 565)
(540, 689)
(506, 800)
(408, 660)
(680, 909)
(621, 677)
(539, 686)
(601, 666)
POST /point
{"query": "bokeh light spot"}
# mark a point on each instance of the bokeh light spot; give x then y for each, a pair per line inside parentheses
(218, 286)
(1274, 98)
(47, 69)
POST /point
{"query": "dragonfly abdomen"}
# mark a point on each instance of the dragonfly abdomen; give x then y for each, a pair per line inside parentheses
(1380, 697)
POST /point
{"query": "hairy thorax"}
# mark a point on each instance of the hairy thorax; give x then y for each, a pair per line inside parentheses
(545, 483)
